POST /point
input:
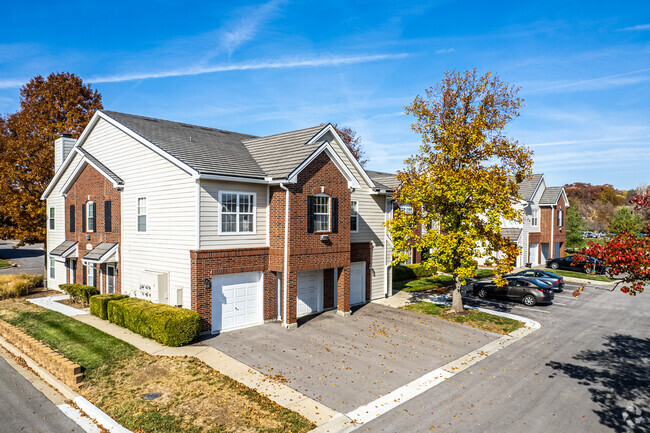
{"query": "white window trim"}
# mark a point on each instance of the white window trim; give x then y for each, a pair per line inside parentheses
(52, 219)
(107, 278)
(329, 214)
(52, 273)
(238, 233)
(138, 215)
(88, 203)
(559, 218)
(89, 275)
(356, 230)
(532, 217)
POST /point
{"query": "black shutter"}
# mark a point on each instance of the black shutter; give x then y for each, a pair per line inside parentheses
(107, 217)
(335, 215)
(83, 222)
(96, 219)
(83, 278)
(310, 214)
(71, 218)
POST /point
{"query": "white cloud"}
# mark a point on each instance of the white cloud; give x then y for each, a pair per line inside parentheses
(279, 64)
(604, 82)
(244, 29)
(636, 28)
(445, 51)
(12, 84)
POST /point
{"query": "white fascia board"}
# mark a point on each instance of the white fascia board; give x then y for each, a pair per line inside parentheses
(105, 257)
(70, 157)
(266, 180)
(79, 168)
(541, 179)
(330, 128)
(566, 199)
(180, 164)
(327, 148)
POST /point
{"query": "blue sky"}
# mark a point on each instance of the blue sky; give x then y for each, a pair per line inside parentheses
(268, 67)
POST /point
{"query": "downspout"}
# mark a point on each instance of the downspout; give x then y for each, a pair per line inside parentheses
(285, 277)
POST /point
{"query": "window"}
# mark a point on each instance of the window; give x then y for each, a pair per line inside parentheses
(90, 275)
(52, 269)
(237, 212)
(406, 208)
(560, 218)
(321, 213)
(534, 220)
(354, 216)
(142, 214)
(51, 218)
(110, 279)
(72, 219)
(90, 216)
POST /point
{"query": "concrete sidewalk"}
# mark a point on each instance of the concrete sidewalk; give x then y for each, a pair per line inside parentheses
(281, 394)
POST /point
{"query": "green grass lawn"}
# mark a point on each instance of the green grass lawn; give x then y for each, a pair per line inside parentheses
(477, 319)
(437, 282)
(196, 398)
(4, 264)
(581, 275)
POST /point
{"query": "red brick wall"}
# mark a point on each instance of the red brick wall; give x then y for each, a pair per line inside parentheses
(91, 185)
(548, 224)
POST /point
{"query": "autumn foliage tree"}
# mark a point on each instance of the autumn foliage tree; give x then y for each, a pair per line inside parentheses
(48, 107)
(464, 180)
(626, 256)
(353, 141)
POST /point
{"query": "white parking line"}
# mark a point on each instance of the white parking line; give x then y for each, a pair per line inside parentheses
(557, 303)
(532, 310)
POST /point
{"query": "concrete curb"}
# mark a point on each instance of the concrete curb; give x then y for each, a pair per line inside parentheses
(591, 282)
(90, 409)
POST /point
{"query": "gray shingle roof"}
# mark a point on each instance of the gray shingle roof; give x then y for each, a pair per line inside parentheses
(99, 251)
(383, 180)
(62, 248)
(527, 187)
(512, 234)
(551, 195)
(279, 154)
(102, 167)
(210, 151)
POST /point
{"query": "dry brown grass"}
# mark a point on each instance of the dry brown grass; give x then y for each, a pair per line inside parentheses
(12, 286)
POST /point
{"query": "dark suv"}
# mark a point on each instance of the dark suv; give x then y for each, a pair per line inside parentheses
(530, 291)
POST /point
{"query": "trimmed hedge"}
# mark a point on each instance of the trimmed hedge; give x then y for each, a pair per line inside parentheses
(99, 304)
(410, 272)
(79, 292)
(171, 326)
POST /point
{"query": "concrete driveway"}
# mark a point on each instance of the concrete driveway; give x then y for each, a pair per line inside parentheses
(29, 258)
(346, 362)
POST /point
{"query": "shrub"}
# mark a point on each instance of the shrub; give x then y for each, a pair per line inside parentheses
(171, 326)
(16, 285)
(79, 292)
(99, 304)
(410, 272)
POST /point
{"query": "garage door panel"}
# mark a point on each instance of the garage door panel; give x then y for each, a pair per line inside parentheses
(309, 292)
(236, 301)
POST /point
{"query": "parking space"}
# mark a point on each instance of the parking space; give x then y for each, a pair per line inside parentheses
(346, 362)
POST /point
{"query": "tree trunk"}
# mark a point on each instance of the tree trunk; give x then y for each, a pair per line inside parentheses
(457, 299)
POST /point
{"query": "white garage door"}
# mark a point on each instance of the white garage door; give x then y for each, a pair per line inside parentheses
(236, 301)
(310, 292)
(357, 283)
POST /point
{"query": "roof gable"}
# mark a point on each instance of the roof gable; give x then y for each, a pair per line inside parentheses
(528, 187)
(88, 159)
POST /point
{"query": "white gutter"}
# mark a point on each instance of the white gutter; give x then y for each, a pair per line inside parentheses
(285, 277)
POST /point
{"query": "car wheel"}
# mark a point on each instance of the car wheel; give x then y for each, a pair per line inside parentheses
(482, 293)
(554, 265)
(529, 300)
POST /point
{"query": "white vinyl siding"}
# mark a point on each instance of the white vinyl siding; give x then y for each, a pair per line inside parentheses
(171, 210)
(57, 235)
(211, 238)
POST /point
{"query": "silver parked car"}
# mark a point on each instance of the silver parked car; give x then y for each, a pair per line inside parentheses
(556, 281)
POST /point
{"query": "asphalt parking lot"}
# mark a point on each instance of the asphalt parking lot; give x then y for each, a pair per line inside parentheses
(347, 362)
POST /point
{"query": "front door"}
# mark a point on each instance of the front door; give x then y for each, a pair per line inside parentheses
(357, 283)
(533, 258)
(110, 279)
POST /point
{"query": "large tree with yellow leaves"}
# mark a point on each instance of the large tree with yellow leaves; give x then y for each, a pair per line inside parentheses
(48, 107)
(462, 184)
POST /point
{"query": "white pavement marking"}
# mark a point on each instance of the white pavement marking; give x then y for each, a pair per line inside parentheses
(85, 423)
(557, 303)
(531, 310)
(50, 303)
(405, 393)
